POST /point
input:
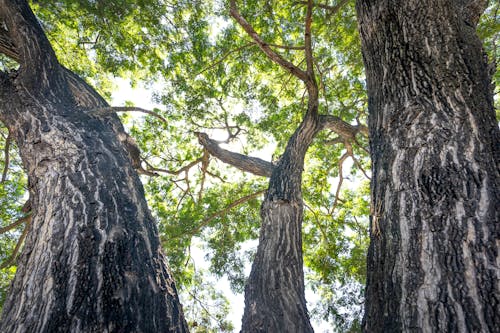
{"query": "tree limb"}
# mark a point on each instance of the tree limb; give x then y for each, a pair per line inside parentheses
(15, 224)
(8, 262)
(342, 128)
(245, 163)
(224, 211)
(308, 41)
(331, 9)
(39, 68)
(114, 109)
(176, 172)
(6, 158)
(275, 57)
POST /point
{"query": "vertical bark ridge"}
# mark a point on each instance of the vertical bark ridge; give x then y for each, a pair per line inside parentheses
(92, 261)
(274, 294)
(433, 256)
(92, 254)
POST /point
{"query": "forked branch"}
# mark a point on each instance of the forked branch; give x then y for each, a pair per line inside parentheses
(271, 54)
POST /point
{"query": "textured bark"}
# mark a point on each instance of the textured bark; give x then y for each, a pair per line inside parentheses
(92, 260)
(433, 261)
(274, 294)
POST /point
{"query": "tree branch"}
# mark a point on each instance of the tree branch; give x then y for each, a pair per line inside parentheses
(308, 41)
(224, 211)
(114, 109)
(278, 59)
(39, 69)
(6, 158)
(245, 163)
(342, 128)
(6, 46)
(8, 262)
(225, 56)
(332, 9)
(177, 172)
(15, 224)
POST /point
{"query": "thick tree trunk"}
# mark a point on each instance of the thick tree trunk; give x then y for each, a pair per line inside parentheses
(92, 260)
(274, 294)
(433, 258)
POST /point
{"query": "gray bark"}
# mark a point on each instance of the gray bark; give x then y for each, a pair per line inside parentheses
(433, 261)
(92, 260)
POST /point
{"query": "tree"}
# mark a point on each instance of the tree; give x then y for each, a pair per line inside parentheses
(433, 257)
(92, 260)
(274, 293)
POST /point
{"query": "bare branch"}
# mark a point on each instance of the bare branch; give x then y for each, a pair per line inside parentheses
(6, 158)
(9, 261)
(278, 59)
(245, 163)
(224, 211)
(114, 109)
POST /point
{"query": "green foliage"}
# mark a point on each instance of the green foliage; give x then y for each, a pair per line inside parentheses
(12, 192)
(210, 77)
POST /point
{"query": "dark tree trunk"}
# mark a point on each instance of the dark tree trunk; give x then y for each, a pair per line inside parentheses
(274, 294)
(433, 258)
(92, 260)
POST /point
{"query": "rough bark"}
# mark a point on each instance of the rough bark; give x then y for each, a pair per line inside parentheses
(433, 260)
(274, 294)
(92, 260)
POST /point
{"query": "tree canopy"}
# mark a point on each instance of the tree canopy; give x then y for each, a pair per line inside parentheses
(216, 89)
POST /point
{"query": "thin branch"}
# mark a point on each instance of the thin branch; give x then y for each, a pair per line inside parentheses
(114, 109)
(176, 172)
(224, 57)
(224, 211)
(278, 59)
(245, 163)
(204, 166)
(287, 47)
(341, 180)
(6, 157)
(332, 9)
(15, 224)
(8, 262)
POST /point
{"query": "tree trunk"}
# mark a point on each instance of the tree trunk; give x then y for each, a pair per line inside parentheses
(92, 260)
(274, 294)
(433, 258)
